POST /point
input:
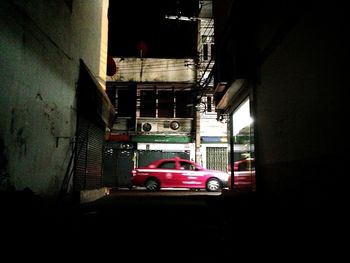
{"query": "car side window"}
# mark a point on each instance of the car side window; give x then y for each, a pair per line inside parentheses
(246, 166)
(187, 166)
(252, 165)
(167, 165)
(184, 166)
(243, 166)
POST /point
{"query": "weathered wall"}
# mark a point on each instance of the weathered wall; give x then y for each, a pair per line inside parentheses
(40, 45)
(154, 70)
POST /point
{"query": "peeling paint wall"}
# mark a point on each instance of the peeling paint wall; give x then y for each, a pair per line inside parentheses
(40, 46)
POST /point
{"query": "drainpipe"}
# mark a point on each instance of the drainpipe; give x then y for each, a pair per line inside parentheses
(198, 138)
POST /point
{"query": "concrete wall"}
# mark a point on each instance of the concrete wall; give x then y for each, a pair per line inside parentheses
(300, 107)
(154, 70)
(40, 45)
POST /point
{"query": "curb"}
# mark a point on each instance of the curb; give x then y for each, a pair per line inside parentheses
(87, 196)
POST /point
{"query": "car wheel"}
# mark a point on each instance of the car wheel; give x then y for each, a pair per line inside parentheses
(152, 185)
(213, 185)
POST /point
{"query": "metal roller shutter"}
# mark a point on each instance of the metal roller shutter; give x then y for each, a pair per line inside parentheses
(88, 162)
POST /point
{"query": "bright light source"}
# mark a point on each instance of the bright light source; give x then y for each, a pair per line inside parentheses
(241, 118)
(182, 18)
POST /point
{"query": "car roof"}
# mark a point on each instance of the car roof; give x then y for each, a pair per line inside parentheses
(170, 159)
(173, 159)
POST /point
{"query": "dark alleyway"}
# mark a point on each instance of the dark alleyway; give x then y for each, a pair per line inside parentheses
(146, 227)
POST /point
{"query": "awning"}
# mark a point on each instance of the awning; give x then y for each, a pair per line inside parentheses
(92, 100)
(228, 97)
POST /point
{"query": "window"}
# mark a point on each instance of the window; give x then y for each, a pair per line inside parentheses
(187, 166)
(205, 52)
(165, 104)
(123, 100)
(167, 165)
(184, 102)
(126, 103)
(209, 104)
(246, 165)
(212, 49)
(148, 103)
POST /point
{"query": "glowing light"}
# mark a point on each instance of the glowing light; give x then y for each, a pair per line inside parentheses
(241, 118)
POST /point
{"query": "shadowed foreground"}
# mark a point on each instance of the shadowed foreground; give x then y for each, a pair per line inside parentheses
(153, 227)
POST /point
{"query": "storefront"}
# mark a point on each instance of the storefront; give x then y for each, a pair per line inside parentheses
(236, 106)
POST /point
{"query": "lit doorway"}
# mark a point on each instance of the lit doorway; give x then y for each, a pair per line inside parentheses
(243, 157)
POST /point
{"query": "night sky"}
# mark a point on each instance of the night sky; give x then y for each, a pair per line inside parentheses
(135, 25)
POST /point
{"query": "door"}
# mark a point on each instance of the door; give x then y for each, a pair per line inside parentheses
(169, 175)
(124, 166)
(190, 177)
(117, 164)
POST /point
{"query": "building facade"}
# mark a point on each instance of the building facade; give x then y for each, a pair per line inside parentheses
(289, 62)
(154, 100)
(53, 64)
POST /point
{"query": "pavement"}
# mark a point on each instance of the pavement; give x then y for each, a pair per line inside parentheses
(127, 226)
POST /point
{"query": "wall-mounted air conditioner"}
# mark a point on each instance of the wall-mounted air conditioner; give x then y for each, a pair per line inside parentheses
(175, 126)
(149, 126)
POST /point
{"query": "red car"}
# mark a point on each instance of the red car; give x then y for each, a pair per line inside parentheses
(244, 175)
(178, 173)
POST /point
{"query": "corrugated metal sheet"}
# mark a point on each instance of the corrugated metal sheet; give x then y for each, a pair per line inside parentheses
(88, 160)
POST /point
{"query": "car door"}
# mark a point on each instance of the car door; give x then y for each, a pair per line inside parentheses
(167, 174)
(244, 173)
(191, 176)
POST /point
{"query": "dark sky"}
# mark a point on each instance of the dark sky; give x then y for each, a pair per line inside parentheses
(133, 23)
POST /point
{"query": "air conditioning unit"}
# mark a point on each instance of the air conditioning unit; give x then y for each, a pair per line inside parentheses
(149, 126)
(175, 126)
